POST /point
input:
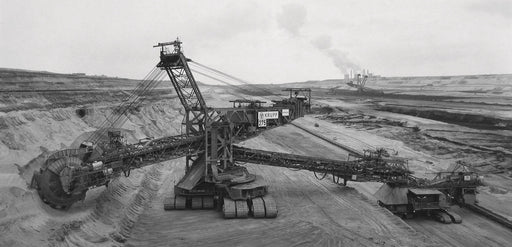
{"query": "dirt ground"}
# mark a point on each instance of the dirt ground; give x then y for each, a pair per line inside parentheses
(430, 146)
(311, 212)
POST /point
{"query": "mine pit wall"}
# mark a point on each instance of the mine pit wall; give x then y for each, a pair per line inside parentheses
(464, 119)
(27, 136)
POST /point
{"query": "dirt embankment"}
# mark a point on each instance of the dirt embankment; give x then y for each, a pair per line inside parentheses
(465, 119)
(28, 90)
(106, 215)
(25, 80)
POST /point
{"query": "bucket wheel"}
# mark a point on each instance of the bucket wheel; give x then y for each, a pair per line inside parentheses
(49, 184)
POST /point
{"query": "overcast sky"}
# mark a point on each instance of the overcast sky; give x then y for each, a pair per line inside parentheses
(261, 41)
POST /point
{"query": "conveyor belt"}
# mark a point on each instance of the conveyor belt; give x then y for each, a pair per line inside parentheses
(357, 170)
(352, 151)
(490, 215)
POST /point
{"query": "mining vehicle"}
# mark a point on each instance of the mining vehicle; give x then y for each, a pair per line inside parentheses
(360, 85)
(214, 173)
(432, 197)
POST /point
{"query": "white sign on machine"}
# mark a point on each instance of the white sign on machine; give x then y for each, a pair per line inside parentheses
(286, 112)
(263, 116)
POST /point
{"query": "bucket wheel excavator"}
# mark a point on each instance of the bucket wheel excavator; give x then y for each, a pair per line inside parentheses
(214, 174)
(360, 85)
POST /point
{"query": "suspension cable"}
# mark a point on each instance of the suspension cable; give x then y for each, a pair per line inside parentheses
(224, 75)
(233, 77)
(134, 100)
(222, 81)
(256, 90)
(129, 99)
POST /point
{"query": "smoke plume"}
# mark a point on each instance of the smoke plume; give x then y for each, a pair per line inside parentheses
(293, 17)
(339, 58)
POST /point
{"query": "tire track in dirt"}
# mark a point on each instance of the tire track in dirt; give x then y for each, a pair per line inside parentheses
(348, 232)
(290, 194)
(357, 201)
(159, 227)
(380, 227)
(363, 207)
(289, 188)
(458, 234)
(115, 212)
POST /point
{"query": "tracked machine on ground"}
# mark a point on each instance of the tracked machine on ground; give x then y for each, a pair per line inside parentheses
(360, 85)
(432, 197)
(214, 173)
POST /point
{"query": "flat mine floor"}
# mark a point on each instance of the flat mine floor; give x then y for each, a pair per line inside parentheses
(311, 212)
